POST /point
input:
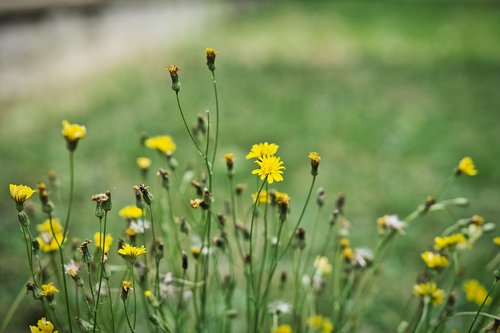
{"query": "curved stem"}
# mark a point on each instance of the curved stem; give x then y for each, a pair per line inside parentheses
(13, 307)
(217, 118)
(482, 305)
(474, 313)
(128, 319)
(71, 194)
(187, 127)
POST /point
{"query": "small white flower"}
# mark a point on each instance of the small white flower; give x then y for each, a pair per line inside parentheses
(280, 307)
(139, 226)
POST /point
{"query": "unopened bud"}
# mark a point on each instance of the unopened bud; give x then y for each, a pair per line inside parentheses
(184, 261)
(211, 58)
(176, 85)
(23, 218)
(321, 197)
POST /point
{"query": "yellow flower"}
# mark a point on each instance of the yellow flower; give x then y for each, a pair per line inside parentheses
(43, 326)
(344, 242)
(20, 193)
(131, 212)
(107, 241)
(131, 251)
(48, 243)
(262, 149)
(126, 285)
(45, 226)
(323, 266)
(434, 260)
(270, 168)
(319, 323)
(210, 52)
(496, 240)
(163, 143)
(49, 289)
(263, 197)
(196, 251)
(448, 241)
(477, 220)
(348, 254)
(431, 290)
(315, 158)
(282, 329)
(282, 198)
(148, 293)
(475, 292)
(73, 132)
(466, 166)
(211, 58)
(172, 69)
(143, 163)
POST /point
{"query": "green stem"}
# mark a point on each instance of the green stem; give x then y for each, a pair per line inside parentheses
(187, 127)
(61, 257)
(474, 313)
(128, 319)
(157, 262)
(71, 194)
(135, 297)
(102, 241)
(13, 307)
(217, 120)
(111, 307)
(482, 305)
(251, 235)
(300, 218)
(423, 319)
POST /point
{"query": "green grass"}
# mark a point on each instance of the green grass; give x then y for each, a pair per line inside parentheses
(390, 94)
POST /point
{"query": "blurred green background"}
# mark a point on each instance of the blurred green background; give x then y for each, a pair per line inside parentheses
(391, 94)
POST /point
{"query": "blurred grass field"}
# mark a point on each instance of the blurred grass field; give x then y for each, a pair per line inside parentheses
(392, 95)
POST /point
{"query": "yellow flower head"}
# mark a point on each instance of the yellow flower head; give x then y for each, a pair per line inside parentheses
(466, 166)
(148, 293)
(126, 285)
(431, 290)
(262, 149)
(43, 326)
(210, 52)
(320, 324)
(282, 198)
(49, 243)
(49, 289)
(143, 163)
(475, 292)
(107, 241)
(477, 220)
(131, 252)
(434, 260)
(348, 254)
(73, 132)
(172, 69)
(322, 266)
(441, 243)
(263, 197)
(315, 158)
(131, 212)
(269, 168)
(45, 226)
(20, 193)
(211, 58)
(282, 329)
(496, 240)
(196, 251)
(344, 242)
(163, 143)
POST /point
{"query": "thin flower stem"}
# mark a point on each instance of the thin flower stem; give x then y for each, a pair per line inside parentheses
(61, 257)
(423, 318)
(128, 319)
(266, 241)
(217, 121)
(102, 241)
(135, 297)
(203, 296)
(300, 218)
(187, 127)
(233, 216)
(474, 313)
(482, 305)
(90, 283)
(71, 194)
(157, 263)
(111, 306)
(251, 234)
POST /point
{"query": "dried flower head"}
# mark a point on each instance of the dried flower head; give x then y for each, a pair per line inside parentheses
(176, 85)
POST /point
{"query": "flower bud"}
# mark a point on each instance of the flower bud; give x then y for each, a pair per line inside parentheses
(23, 218)
(184, 261)
(86, 255)
(321, 197)
(176, 85)
(211, 58)
(146, 195)
(315, 158)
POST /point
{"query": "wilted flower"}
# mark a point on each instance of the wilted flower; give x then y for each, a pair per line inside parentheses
(210, 52)
(391, 222)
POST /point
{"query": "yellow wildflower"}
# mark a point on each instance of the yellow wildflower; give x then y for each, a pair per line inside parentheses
(210, 52)
(434, 260)
(43, 326)
(322, 266)
(163, 143)
(320, 324)
(196, 251)
(20, 193)
(107, 241)
(282, 329)
(172, 69)
(131, 252)
(448, 241)
(45, 226)
(466, 166)
(496, 240)
(126, 285)
(315, 158)
(475, 292)
(131, 212)
(73, 132)
(348, 254)
(49, 289)
(148, 293)
(143, 163)
(262, 149)
(269, 168)
(477, 220)
(263, 197)
(431, 290)
(344, 242)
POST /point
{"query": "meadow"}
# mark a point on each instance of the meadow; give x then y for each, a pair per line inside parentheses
(392, 95)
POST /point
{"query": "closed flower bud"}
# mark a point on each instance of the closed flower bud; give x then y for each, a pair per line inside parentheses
(315, 158)
(86, 255)
(107, 204)
(211, 58)
(23, 218)
(36, 246)
(165, 179)
(340, 203)
(138, 197)
(146, 195)
(171, 161)
(321, 197)
(229, 163)
(184, 261)
(239, 189)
